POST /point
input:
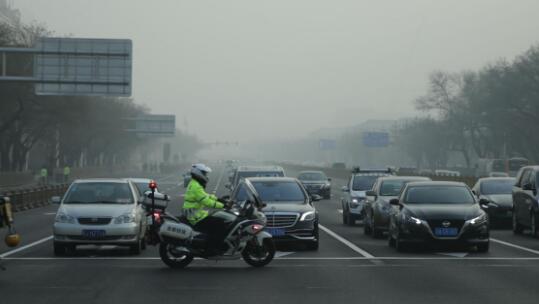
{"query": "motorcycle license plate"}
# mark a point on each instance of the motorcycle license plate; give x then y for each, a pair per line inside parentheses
(275, 231)
(93, 234)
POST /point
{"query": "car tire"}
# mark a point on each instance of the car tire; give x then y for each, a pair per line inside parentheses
(401, 246)
(533, 224)
(59, 249)
(483, 247)
(391, 241)
(517, 227)
(377, 233)
(136, 248)
(314, 245)
(367, 227)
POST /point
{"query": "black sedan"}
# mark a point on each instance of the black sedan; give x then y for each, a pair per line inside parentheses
(445, 212)
(495, 195)
(316, 182)
(291, 216)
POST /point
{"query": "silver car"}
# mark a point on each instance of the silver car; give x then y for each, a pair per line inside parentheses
(102, 212)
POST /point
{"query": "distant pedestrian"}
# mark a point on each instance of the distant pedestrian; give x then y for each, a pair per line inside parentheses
(67, 173)
(44, 175)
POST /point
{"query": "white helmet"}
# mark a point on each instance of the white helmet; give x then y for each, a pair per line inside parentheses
(200, 171)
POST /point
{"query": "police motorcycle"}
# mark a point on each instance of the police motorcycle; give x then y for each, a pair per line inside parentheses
(12, 238)
(179, 243)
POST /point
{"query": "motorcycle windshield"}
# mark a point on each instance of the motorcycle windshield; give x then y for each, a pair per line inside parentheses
(252, 195)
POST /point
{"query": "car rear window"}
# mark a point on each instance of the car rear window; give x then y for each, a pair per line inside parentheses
(364, 182)
(279, 191)
(497, 187)
(391, 187)
(438, 195)
(99, 193)
(312, 176)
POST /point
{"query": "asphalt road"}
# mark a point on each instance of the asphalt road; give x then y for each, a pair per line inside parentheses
(348, 267)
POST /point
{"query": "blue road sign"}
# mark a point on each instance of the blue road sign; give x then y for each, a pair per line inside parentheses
(376, 139)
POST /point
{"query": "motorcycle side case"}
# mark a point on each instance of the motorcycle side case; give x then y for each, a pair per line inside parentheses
(177, 231)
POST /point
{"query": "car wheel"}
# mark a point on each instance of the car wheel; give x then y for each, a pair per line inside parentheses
(533, 221)
(367, 227)
(391, 241)
(350, 219)
(377, 233)
(400, 245)
(136, 248)
(59, 249)
(517, 227)
(483, 247)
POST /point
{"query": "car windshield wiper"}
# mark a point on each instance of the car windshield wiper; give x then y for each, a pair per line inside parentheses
(77, 202)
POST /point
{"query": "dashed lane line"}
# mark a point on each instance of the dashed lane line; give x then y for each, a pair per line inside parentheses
(514, 246)
(347, 243)
(43, 240)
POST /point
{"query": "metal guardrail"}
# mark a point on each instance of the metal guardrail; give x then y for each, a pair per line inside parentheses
(35, 197)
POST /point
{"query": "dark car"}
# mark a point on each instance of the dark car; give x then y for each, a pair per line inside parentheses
(495, 195)
(526, 201)
(377, 206)
(355, 193)
(253, 171)
(290, 214)
(445, 212)
(316, 182)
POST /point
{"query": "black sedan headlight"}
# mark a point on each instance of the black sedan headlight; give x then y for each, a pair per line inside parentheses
(478, 220)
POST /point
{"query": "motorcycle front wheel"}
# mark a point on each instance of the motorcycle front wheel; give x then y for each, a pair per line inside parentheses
(174, 259)
(259, 256)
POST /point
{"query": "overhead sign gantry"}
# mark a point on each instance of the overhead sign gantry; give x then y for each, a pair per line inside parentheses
(76, 66)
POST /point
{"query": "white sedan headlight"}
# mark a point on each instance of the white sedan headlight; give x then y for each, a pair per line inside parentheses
(124, 219)
(62, 217)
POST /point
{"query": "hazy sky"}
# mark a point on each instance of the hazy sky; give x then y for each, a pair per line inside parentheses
(241, 69)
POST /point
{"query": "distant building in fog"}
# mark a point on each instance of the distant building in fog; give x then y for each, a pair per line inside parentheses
(8, 14)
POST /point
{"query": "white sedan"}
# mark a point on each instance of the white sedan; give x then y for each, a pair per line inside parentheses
(101, 212)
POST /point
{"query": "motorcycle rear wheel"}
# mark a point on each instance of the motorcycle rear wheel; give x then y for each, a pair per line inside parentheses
(259, 256)
(172, 259)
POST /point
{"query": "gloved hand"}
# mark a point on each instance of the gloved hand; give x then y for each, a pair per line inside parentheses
(219, 205)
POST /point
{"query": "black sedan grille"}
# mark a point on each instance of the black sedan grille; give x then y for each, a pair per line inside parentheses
(281, 220)
(94, 220)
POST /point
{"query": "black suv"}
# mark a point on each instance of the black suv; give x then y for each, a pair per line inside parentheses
(525, 201)
(291, 216)
(316, 182)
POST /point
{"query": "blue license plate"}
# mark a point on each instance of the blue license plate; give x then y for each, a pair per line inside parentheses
(446, 231)
(93, 234)
(275, 231)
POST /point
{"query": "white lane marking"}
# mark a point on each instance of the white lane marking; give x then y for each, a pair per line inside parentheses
(281, 254)
(514, 246)
(43, 240)
(346, 242)
(219, 181)
(49, 213)
(339, 211)
(291, 258)
(453, 254)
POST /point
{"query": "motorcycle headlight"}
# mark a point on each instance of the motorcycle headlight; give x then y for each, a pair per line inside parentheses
(307, 216)
(124, 219)
(479, 220)
(64, 218)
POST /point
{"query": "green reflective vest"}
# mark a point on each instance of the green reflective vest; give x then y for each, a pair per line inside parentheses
(197, 201)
